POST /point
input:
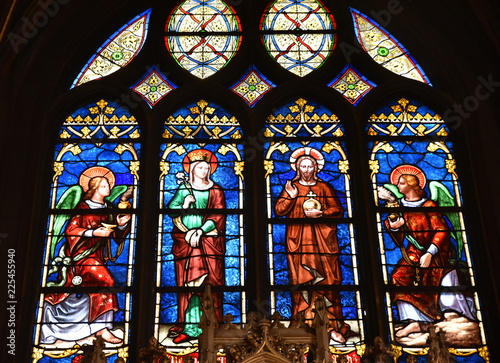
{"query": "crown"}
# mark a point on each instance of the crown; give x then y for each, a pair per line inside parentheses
(200, 155)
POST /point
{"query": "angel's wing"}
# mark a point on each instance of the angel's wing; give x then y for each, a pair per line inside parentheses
(68, 200)
(443, 197)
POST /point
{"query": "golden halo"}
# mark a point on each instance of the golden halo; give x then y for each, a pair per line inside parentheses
(307, 151)
(409, 170)
(96, 171)
(200, 155)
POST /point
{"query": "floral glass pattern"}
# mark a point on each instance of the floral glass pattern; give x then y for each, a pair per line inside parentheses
(298, 34)
(117, 51)
(203, 36)
(423, 242)
(88, 262)
(384, 49)
(153, 86)
(352, 85)
(252, 86)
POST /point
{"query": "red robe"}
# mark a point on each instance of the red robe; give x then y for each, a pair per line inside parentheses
(208, 258)
(312, 249)
(92, 268)
(427, 227)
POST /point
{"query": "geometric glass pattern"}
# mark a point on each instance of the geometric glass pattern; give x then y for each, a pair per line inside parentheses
(203, 36)
(298, 34)
(384, 49)
(252, 86)
(153, 86)
(117, 51)
(201, 230)
(352, 85)
(88, 261)
(312, 249)
(423, 242)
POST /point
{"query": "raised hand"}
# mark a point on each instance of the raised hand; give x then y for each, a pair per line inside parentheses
(291, 190)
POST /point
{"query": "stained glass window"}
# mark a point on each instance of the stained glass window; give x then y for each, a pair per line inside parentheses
(252, 86)
(201, 225)
(89, 247)
(352, 85)
(298, 34)
(153, 86)
(385, 49)
(117, 51)
(311, 236)
(203, 36)
(423, 243)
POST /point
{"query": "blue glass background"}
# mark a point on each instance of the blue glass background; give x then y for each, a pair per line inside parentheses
(232, 258)
(415, 153)
(168, 306)
(224, 175)
(281, 263)
(93, 155)
(283, 171)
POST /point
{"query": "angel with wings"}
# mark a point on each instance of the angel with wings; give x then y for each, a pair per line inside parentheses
(82, 257)
(429, 252)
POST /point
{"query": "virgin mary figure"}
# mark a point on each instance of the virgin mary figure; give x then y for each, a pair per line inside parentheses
(198, 240)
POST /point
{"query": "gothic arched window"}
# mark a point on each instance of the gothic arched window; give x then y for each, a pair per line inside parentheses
(254, 181)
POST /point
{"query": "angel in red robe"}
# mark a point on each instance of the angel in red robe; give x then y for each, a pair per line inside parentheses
(425, 259)
(312, 248)
(198, 241)
(73, 316)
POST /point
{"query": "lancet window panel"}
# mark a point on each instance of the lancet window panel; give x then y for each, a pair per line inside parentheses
(311, 240)
(88, 262)
(423, 241)
(202, 223)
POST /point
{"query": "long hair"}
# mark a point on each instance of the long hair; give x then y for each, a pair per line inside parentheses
(297, 167)
(93, 185)
(412, 181)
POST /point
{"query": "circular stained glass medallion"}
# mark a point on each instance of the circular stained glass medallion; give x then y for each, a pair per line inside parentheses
(298, 34)
(203, 36)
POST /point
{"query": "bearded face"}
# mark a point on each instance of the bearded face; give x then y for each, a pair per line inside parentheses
(307, 170)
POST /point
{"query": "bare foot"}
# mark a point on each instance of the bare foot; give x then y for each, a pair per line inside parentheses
(337, 337)
(407, 330)
(107, 336)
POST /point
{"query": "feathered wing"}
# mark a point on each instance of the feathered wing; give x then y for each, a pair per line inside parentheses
(69, 200)
(443, 197)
